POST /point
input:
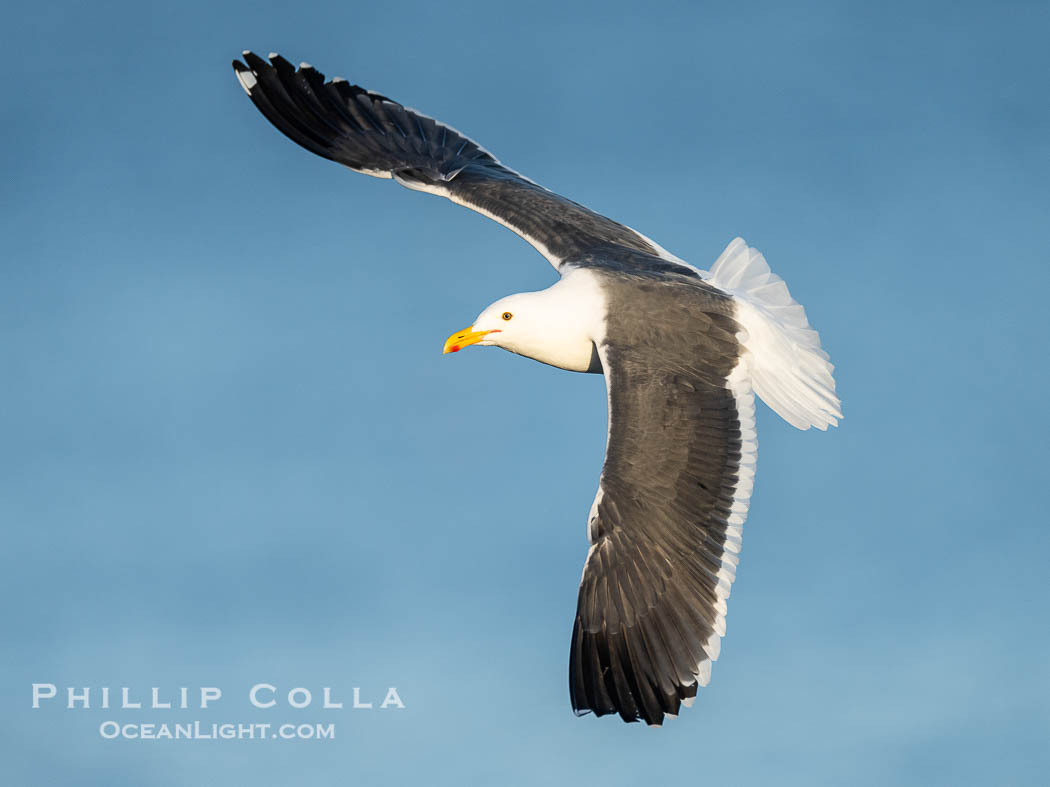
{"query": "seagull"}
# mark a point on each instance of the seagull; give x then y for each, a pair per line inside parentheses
(683, 351)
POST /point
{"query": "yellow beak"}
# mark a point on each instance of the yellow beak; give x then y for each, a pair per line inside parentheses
(465, 338)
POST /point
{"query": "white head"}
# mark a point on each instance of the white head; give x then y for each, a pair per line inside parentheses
(558, 326)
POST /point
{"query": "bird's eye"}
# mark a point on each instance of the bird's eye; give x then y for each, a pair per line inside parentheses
(507, 315)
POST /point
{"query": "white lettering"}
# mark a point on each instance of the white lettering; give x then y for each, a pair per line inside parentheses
(328, 699)
(253, 695)
(209, 693)
(294, 692)
(126, 701)
(72, 696)
(156, 699)
(392, 698)
(357, 699)
(39, 690)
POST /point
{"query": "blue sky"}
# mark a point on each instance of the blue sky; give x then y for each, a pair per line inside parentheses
(231, 451)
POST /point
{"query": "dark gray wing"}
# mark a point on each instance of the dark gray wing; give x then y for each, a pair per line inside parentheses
(377, 136)
(665, 527)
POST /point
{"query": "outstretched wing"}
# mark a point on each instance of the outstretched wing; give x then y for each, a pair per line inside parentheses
(377, 136)
(665, 527)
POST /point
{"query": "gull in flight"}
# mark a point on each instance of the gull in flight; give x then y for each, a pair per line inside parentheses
(683, 352)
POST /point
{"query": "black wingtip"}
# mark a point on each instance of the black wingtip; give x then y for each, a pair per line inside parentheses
(254, 62)
(280, 63)
(245, 76)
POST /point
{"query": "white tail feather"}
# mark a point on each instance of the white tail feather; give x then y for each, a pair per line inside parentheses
(789, 370)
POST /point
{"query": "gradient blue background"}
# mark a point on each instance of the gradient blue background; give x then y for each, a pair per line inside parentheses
(231, 451)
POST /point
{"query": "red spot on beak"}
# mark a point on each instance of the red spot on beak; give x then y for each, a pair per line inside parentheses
(454, 348)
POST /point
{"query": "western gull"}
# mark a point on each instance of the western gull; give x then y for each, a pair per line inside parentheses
(683, 350)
